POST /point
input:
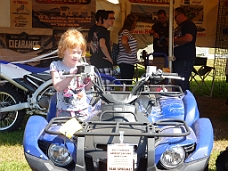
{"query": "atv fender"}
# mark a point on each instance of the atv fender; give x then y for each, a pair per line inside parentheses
(33, 130)
(191, 108)
(205, 141)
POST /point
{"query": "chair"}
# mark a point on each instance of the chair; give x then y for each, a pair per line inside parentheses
(159, 59)
(202, 72)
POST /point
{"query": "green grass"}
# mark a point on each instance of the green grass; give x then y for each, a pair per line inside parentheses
(11, 152)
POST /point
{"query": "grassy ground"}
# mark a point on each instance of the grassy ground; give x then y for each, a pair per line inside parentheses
(12, 156)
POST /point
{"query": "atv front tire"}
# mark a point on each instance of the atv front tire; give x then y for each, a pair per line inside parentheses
(222, 161)
(10, 121)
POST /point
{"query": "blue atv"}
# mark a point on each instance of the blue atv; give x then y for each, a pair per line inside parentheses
(152, 128)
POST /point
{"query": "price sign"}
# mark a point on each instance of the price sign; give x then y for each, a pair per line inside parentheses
(120, 157)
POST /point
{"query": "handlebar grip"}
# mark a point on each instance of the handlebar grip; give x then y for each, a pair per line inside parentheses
(169, 74)
(66, 73)
(174, 77)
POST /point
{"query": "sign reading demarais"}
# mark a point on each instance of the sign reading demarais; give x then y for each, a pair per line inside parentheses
(64, 1)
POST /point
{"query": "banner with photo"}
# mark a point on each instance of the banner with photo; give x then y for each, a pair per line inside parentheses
(147, 16)
(204, 14)
(195, 12)
(146, 11)
(49, 14)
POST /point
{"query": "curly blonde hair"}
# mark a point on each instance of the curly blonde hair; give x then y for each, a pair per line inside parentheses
(69, 40)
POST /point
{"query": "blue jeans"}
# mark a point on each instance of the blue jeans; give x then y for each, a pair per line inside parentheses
(184, 69)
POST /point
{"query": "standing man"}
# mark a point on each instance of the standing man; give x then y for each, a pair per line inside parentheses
(185, 49)
(160, 32)
(101, 45)
(92, 30)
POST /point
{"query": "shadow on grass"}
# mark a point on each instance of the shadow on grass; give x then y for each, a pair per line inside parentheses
(219, 89)
(14, 137)
(11, 138)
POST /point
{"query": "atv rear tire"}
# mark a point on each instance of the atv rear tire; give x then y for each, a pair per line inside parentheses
(10, 121)
(222, 161)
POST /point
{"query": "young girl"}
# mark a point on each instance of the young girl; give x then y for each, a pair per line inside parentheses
(71, 96)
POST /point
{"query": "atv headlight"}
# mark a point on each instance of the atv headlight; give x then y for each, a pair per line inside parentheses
(59, 155)
(172, 157)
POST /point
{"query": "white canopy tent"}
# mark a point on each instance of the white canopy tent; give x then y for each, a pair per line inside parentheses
(121, 10)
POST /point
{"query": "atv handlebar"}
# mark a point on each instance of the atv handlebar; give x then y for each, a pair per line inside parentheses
(155, 77)
(82, 70)
(159, 74)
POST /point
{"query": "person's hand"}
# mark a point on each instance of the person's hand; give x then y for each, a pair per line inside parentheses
(111, 43)
(156, 35)
(73, 70)
(86, 81)
(128, 51)
(108, 59)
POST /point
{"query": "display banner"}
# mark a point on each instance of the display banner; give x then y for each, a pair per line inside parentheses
(20, 13)
(67, 13)
(204, 14)
(147, 16)
(150, 1)
(146, 11)
(18, 44)
(195, 12)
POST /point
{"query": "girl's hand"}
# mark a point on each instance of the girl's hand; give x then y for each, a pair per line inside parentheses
(86, 81)
(73, 70)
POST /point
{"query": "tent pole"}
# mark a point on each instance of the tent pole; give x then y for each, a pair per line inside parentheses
(170, 35)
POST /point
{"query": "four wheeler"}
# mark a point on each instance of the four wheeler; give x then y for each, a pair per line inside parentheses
(151, 128)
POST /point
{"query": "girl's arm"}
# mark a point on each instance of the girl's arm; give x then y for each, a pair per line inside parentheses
(60, 83)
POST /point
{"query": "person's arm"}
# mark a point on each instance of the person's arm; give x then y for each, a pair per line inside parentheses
(153, 32)
(59, 82)
(125, 44)
(183, 39)
(105, 51)
(92, 47)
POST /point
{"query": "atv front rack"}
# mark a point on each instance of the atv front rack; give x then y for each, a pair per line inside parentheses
(150, 131)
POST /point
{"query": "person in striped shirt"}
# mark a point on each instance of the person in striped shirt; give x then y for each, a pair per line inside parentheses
(127, 57)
